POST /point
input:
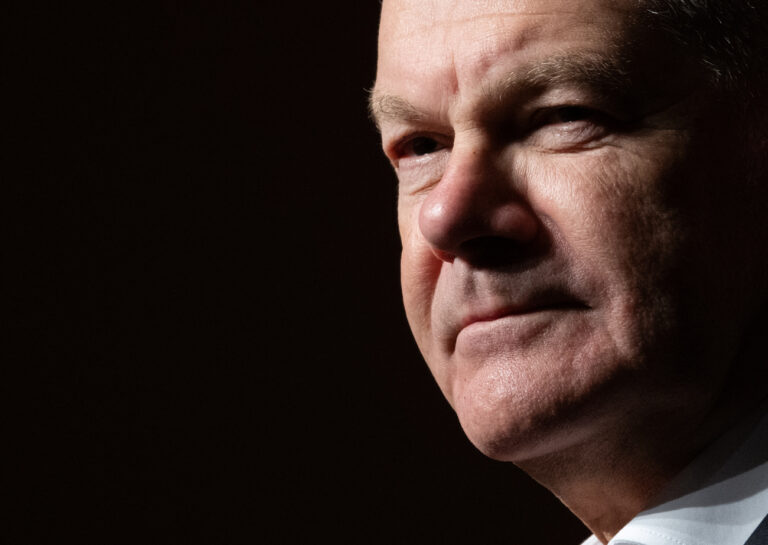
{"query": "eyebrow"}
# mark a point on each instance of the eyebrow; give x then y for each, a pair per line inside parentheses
(392, 107)
(608, 76)
(605, 73)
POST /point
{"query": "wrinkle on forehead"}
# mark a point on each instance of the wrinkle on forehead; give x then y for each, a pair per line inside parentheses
(403, 18)
(437, 54)
(423, 43)
(493, 30)
(420, 32)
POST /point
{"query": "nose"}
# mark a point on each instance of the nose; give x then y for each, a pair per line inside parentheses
(477, 209)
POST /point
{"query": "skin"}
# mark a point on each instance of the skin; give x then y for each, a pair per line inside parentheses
(578, 213)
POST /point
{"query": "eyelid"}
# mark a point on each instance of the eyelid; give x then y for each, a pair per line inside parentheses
(539, 117)
(397, 148)
(584, 132)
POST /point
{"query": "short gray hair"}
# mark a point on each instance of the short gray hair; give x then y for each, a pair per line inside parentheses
(730, 35)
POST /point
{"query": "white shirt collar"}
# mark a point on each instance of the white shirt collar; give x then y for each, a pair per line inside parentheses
(719, 499)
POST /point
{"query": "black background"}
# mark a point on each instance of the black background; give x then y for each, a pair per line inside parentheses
(204, 269)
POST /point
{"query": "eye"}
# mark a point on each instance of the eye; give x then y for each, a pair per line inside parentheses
(419, 146)
(570, 114)
(570, 127)
(419, 159)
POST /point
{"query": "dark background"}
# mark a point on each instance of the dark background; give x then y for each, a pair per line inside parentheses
(204, 277)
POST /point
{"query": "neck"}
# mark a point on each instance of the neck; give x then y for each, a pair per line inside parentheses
(607, 481)
(603, 485)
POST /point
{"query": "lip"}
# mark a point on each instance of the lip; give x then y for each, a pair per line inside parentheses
(532, 306)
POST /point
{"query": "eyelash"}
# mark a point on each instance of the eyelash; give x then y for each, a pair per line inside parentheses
(418, 146)
(409, 146)
(577, 113)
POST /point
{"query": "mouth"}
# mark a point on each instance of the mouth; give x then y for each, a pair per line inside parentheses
(539, 304)
(511, 324)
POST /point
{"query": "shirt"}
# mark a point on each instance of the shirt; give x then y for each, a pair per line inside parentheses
(719, 499)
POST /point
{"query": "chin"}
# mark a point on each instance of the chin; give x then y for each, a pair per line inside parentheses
(518, 409)
(498, 424)
(509, 438)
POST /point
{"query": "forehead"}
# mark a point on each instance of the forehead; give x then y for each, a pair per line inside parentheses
(446, 47)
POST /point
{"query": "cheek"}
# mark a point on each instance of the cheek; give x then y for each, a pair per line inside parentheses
(419, 272)
(609, 209)
(612, 219)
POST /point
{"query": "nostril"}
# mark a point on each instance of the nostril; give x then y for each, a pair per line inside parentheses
(447, 257)
(494, 252)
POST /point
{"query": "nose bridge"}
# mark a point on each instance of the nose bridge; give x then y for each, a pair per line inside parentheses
(460, 186)
(477, 196)
(446, 212)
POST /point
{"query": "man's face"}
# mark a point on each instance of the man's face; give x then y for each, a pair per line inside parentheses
(571, 208)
